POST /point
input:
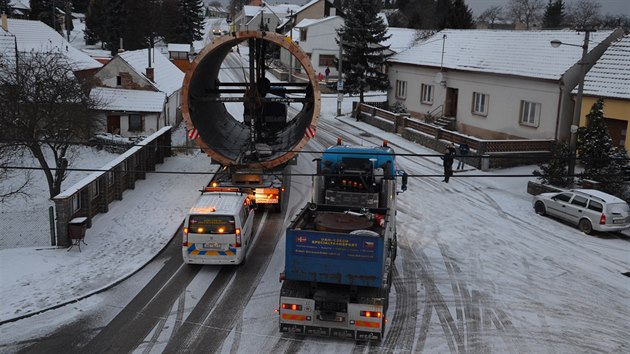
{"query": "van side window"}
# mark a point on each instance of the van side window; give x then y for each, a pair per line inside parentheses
(593, 205)
(243, 214)
(564, 197)
(578, 200)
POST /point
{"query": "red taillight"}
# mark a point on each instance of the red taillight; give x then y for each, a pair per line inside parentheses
(238, 238)
(292, 307)
(602, 219)
(371, 314)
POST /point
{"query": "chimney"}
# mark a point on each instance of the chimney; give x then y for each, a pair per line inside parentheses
(150, 74)
(5, 23)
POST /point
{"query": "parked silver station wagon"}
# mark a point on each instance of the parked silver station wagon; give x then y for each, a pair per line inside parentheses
(589, 209)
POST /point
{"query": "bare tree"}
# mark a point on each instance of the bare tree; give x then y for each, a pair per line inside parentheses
(612, 22)
(490, 15)
(13, 182)
(525, 11)
(45, 109)
(584, 13)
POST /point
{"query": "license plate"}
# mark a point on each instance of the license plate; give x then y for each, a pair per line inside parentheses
(619, 221)
(210, 245)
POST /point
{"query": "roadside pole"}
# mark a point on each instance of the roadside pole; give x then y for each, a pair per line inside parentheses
(340, 77)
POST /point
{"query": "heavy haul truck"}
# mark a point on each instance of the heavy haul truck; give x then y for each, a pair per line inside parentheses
(340, 248)
(253, 150)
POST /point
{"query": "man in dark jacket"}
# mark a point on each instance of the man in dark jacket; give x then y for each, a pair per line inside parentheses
(447, 163)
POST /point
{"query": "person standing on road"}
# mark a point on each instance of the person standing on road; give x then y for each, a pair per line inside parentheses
(447, 162)
(327, 72)
(463, 151)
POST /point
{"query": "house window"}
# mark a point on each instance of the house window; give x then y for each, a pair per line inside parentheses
(401, 89)
(76, 202)
(118, 80)
(95, 188)
(480, 103)
(302, 34)
(110, 178)
(426, 93)
(326, 60)
(124, 167)
(135, 122)
(530, 113)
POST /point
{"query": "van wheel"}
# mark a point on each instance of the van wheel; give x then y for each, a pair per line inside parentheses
(585, 226)
(539, 208)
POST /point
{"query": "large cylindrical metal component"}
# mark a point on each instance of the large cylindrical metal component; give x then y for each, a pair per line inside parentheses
(231, 141)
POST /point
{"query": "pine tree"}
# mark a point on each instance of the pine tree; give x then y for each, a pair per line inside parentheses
(114, 14)
(4, 6)
(95, 22)
(364, 57)
(169, 20)
(459, 16)
(554, 14)
(80, 6)
(602, 162)
(442, 9)
(42, 10)
(555, 171)
(190, 26)
(593, 141)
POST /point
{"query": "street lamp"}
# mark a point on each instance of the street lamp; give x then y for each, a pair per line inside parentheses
(578, 100)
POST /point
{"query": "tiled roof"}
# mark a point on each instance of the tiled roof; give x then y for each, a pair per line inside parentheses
(37, 36)
(610, 77)
(521, 53)
(114, 99)
(168, 78)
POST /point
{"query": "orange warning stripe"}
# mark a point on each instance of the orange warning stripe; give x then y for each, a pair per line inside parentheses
(368, 324)
(287, 316)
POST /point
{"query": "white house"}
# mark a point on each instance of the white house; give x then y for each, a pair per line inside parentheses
(317, 37)
(251, 18)
(495, 84)
(148, 72)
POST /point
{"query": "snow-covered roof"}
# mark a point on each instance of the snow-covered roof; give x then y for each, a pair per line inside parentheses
(115, 99)
(314, 21)
(400, 38)
(279, 10)
(37, 36)
(522, 53)
(18, 4)
(610, 76)
(178, 47)
(167, 77)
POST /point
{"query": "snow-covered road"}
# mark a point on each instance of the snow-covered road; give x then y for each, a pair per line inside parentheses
(478, 270)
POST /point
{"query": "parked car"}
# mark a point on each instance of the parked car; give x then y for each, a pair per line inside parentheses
(589, 209)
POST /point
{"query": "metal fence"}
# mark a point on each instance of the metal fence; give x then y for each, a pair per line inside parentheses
(26, 228)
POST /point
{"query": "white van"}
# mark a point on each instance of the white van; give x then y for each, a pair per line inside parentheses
(218, 229)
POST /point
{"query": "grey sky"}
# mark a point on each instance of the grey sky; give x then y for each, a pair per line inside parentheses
(621, 7)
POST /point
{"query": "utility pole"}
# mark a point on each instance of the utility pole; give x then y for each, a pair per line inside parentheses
(340, 77)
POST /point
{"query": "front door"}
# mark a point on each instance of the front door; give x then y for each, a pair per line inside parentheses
(618, 129)
(113, 124)
(450, 106)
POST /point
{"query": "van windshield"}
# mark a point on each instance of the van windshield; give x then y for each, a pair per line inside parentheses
(211, 224)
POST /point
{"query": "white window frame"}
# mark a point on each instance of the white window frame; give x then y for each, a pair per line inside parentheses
(426, 93)
(529, 113)
(401, 89)
(480, 103)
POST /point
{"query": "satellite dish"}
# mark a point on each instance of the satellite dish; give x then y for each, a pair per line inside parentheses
(439, 78)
